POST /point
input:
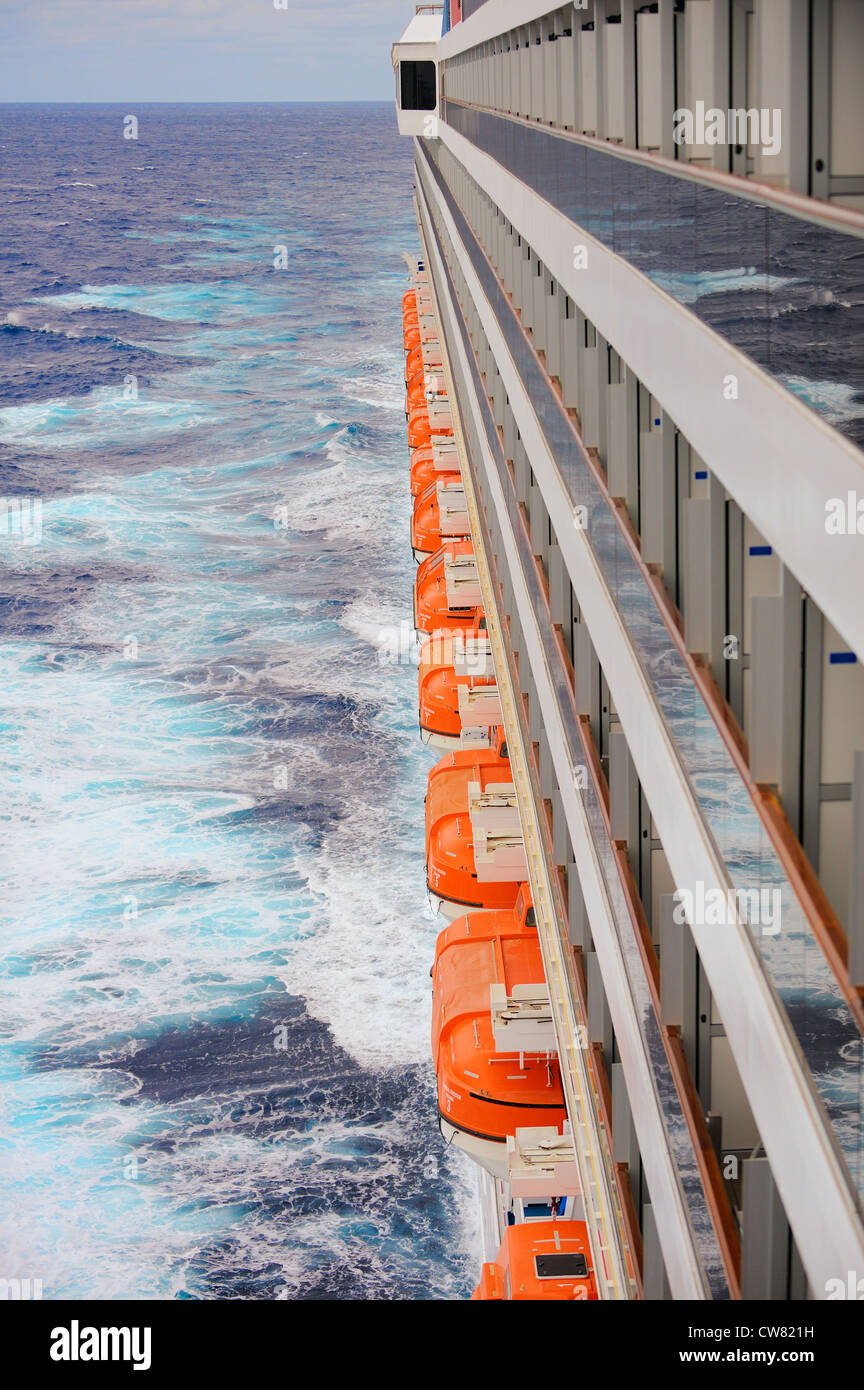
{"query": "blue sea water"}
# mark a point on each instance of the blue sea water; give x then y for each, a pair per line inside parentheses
(215, 940)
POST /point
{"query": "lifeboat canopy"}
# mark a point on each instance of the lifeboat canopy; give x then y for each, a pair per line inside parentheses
(493, 1039)
(457, 689)
(545, 1260)
(447, 589)
(475, 854)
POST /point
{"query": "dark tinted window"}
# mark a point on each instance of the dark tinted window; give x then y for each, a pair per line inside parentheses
(418, 86)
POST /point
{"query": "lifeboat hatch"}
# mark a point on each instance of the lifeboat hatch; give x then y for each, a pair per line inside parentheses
(561, 1266)
(522, 1020)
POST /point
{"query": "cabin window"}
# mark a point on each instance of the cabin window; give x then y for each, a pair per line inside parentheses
(417, 86)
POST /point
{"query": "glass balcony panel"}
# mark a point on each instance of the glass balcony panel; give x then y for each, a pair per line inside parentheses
(786, 291)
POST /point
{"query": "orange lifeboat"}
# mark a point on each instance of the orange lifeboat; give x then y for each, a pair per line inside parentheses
(488, 1088)
(414, 362)
(422, 388)
(428, 464)
(541, 1260)
(419, 432)
(449, 661)
(428, 421)
(425, 358)
(460, 872)
(439, 515)
(411, 319)
(415, 395)
(423, 469)
(411, 337)
(447, 590)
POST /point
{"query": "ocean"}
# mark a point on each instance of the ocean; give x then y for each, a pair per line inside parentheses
(214, 1049)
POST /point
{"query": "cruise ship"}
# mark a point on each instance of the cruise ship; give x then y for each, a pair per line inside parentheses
(635, 416)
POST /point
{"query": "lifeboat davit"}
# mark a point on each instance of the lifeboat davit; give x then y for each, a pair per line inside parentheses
(488, 965)
(450, 662)
(541, 1260)
(447, 589)
(475, 857)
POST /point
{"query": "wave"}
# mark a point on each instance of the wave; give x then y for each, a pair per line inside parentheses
(836, 402)
(190, 301)
(689, 286)
(105, 415)
(202, 740)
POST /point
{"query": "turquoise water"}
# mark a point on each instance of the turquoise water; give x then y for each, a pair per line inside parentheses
(216, 940)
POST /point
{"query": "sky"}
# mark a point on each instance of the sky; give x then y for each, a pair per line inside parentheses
(198, 50)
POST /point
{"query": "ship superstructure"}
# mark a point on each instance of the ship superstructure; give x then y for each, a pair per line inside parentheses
(638, 494)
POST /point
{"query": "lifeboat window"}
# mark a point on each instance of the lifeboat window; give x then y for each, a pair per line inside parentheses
(561, 1266)
(418, 86)
(481, 626)
(502, 749)
(530, 918)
